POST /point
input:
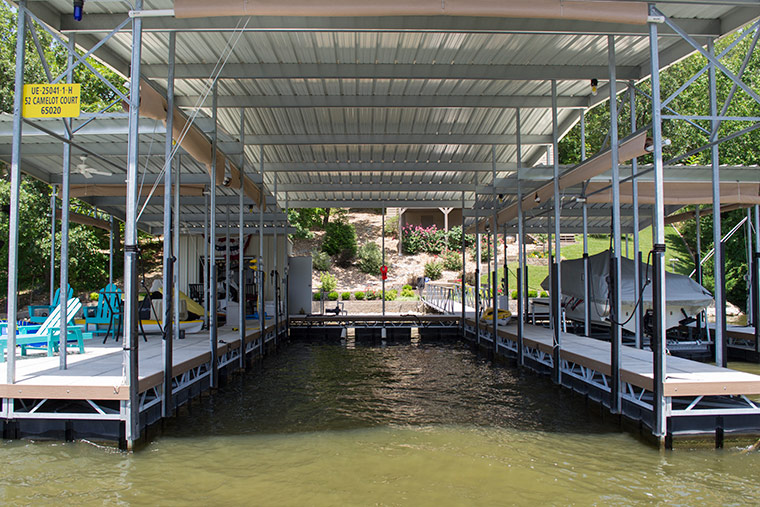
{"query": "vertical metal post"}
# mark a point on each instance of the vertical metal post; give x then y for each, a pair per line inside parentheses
(241, 245)
(586, 264)
(14, 197)
(275, 272)
(213, 293)
(206, 270)
(130, 341)
(260, 264)
(382, 234)
(615, 271)
(176, 217)
(65, 202)
(636, 244)
(52, 241)
(494, 238)
(755, 279)
(227, 258)
(464, 269)
(168, 274)
(521, 306)
(720, 304)
(750, 296)
(658, 281)
(111, 245)
(556, 268)
(698, 259)
(477, 272)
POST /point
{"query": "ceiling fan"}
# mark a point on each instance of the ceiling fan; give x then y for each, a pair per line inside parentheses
(87, 171)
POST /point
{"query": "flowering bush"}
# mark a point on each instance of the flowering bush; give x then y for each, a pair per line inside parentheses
(434, 270)
(452, 261)
(416, 239)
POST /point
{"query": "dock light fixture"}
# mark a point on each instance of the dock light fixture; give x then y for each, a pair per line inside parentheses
(537, 198)
(649, 145)
(594, 86)
(78, 9)
(579, 199)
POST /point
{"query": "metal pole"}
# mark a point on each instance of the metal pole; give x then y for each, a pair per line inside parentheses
(464, 269)
(477, 272)
(521, 307)
(260, 264)
(206, 271)
(636, 244)
(111, 245)
(494, 237)
(213, 293)
(557, 295)
(658, 283)
(65, 202)
(14, 197)
(720, 304)
(176, 216)
(130, 341)
(748, 232)
(275, 273)
(755, 279)
(382, 234)
(698, 259)
(615, 307)
(227, 259)
(241, 245)
(168, 292)
(52, 242)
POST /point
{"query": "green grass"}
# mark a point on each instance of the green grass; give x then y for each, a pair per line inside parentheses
(677, 258)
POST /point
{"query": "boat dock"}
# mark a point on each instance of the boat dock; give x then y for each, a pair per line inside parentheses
(89, 399)
(701, 399)
(372, 327)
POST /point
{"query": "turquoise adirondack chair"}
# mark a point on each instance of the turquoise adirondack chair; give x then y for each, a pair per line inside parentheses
(48, 333)
(39, 313)
(107, 313)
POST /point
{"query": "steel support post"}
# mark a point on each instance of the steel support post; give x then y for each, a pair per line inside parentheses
(615, 307)
(130, 342)
(241, 245)
(521, 305)
(213, 328)
(464, 269)
(750, 296)
(227, 255)
(275, 272)
(111, 246)
(586, 264)
(556, 267)
(382, 234)
(658, 282)
(261, 272)
(698, 259)
(14, 197)
(477, 271)
(720, 304)
(495, 254)
(177, 166)
(53, 209)
(638, 312)
(168, 271)
(755, 279)
(206, 270)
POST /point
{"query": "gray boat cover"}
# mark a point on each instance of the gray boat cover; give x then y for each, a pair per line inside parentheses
(679, 289)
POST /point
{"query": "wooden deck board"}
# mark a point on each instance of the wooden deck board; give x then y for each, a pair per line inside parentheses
(683, 376)
(97, 374)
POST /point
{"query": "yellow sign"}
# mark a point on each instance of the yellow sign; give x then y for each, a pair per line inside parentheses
(51, 101)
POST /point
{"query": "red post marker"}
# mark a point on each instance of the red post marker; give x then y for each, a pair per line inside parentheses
(384, 272)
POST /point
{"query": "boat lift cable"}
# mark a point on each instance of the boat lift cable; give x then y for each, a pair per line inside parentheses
(213, 78)
(724, 238)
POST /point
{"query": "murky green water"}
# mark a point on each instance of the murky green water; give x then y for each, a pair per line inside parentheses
(427, 425)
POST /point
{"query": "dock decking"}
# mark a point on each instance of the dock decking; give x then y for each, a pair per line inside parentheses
(701, 398)
(89, 398)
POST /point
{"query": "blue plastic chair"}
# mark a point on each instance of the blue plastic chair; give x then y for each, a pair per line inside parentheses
(107, 313)
(39, 313)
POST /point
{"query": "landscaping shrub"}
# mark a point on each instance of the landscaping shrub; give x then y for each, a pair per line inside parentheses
(485, 252)
(320, 261)
(328, 282)
(332, 296)
(514, 294)
(371, 295)
(340, 238)
(317, 296)
(532, 293)
(434, 270)
(544, 294)
(407, 291)
(391, 295)
(391, 226)
(359, 295)
(416, 239)
(370, 258)
(345, 296)
(452, 261)
(455, 238)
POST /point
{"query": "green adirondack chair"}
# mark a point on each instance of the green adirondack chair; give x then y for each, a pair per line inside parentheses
(48, 334)
(39, 313)
(108, 312)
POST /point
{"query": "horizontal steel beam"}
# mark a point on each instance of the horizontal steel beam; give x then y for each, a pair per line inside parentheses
(387, 101)
(384, 167)
(255, 70)
(427, 203)
(389, 139)
(200, 217)
(104, 149)
(375, 187)
(198, 230)
(94, 23)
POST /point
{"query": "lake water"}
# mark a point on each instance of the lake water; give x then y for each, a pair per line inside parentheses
(398, 425)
